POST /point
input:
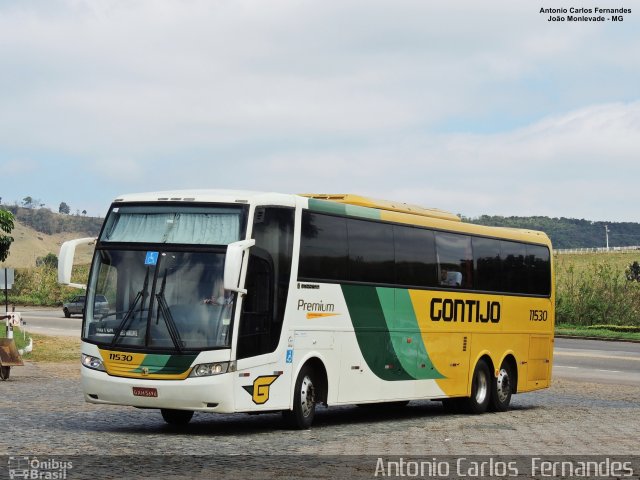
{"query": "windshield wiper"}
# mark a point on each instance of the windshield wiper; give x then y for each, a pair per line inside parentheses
(141, 294)
(168, 318)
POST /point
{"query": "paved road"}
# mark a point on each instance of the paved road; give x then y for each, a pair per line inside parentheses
(597, 361)
(50, 321)
(46, 415)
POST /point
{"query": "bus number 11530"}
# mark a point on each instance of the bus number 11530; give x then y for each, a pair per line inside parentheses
(538, 315)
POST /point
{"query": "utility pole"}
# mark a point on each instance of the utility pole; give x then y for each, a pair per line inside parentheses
(606, 233)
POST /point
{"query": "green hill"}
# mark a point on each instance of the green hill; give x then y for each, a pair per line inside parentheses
(38, 232)
(570, 232)
(44, 220)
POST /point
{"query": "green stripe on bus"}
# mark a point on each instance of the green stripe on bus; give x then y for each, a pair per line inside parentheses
(327, 207)
(178, 364)
(363, 212)
(372, 332)
(425, 369)
(404, 351)
(166, 364)
(336, 208)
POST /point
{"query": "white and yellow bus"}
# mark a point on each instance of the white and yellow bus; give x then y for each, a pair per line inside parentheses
(225, 301)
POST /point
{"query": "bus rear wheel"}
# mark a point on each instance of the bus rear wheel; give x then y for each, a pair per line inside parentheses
(304, 401)
(176, 417)
(480, 389)
(502, 388)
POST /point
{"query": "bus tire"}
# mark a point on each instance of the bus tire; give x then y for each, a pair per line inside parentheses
(178, 418)
(480, 389)
(4, 373)
(304, 400)
(502, 388)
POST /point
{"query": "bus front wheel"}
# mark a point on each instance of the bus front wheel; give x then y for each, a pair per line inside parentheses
(480, 389)
(304, 400)
(176, 417)
(502, 388)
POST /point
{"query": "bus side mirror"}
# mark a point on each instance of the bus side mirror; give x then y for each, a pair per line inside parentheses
(65, 261)
(233, 264)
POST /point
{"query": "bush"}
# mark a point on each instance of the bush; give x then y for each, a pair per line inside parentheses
(598, 293)
(39, 286)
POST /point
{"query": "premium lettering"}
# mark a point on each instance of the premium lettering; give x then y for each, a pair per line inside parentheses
(316, 306)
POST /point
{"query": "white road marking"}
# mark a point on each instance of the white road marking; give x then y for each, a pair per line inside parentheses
(590, 355)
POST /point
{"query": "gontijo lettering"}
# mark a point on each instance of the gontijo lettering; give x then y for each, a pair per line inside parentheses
(450, 310)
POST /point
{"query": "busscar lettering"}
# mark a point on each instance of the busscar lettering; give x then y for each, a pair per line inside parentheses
(449, 310)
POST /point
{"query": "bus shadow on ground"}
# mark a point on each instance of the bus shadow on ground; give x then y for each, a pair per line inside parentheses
(204, 424)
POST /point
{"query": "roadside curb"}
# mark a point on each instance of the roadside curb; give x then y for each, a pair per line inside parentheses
(579, 337)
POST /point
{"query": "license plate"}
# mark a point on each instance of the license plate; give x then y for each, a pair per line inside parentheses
(145, 392)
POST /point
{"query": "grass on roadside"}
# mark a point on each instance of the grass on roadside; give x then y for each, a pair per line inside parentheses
(598, 331)
(46, 348)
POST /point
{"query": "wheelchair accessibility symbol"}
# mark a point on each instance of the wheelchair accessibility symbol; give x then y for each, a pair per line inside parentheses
(151, 258)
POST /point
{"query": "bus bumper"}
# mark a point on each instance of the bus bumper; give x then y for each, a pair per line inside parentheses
(206, 394)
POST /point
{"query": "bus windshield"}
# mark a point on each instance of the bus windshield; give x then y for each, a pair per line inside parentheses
(160, 268)
(167, 300)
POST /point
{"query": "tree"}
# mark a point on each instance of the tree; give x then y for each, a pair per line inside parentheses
(6, 225)
(28, 202)
(64, 208)
(84, 212)
(50, 260)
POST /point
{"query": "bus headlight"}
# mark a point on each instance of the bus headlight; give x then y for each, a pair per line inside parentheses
(208, 369)
(93, 363)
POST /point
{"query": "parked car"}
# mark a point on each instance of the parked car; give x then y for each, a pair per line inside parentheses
(76, 305)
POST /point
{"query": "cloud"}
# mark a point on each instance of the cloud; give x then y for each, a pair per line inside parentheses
(576, 164)
(476, 107)
(18, 166)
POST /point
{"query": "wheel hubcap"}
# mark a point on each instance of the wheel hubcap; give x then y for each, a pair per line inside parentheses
(307, 397)
(503, 385)
(481, 387)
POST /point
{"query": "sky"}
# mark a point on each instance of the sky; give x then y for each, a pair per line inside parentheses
(467, 106)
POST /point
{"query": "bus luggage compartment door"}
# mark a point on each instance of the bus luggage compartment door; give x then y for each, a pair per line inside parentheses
(539, 361)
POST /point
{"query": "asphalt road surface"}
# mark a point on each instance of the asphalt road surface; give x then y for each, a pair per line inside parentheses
(50, 321)
(597, 361)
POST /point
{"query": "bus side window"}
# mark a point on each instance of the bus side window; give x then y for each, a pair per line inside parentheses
(487, 264)
(455, 260)
(515, 278)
